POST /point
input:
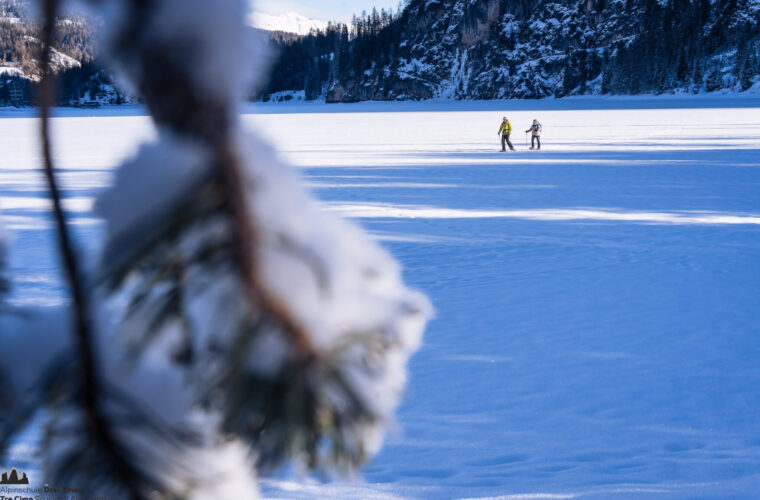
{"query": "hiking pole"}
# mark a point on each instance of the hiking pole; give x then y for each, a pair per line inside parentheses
(526, 139)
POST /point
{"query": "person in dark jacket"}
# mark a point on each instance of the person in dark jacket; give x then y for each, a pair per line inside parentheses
(535, 136)
(505, 131)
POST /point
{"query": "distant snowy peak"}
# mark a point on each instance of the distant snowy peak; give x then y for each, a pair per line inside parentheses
(290, 22)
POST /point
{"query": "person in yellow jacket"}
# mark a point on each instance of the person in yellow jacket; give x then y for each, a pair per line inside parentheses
(505, 131)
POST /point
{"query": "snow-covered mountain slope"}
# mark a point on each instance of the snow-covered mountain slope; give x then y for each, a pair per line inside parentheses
(61, 61)
(20, 40)
(58, 61)
(487, 49)
(290, 22)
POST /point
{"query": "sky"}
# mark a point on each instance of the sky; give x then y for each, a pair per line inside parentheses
(324, 10)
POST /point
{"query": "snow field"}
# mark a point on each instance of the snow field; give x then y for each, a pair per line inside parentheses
(597, 301)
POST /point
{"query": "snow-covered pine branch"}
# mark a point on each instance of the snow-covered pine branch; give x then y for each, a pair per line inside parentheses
(236, 323)
(229, 248)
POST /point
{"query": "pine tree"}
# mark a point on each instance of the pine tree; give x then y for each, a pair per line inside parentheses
(744, 63)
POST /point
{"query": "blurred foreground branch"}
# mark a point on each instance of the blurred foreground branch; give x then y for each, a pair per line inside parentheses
(234, 324)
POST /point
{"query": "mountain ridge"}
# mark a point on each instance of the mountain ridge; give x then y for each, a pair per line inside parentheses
(499, 49)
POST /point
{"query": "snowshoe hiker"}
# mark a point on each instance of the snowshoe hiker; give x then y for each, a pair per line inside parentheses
(535, 136)
(505, 131)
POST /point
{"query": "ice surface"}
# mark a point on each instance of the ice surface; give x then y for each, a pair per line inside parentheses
(597, 302)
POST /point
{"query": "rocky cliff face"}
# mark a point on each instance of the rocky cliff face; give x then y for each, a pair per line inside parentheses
(487, 49)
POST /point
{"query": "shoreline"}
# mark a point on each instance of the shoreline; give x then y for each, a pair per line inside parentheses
(613, 102)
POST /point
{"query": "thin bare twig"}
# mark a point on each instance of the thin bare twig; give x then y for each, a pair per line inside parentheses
(80, 300)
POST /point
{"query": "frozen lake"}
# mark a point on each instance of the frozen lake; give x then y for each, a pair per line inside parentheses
(598, 302)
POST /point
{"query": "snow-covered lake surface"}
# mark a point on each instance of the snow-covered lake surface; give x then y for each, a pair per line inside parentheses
(598, 302)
